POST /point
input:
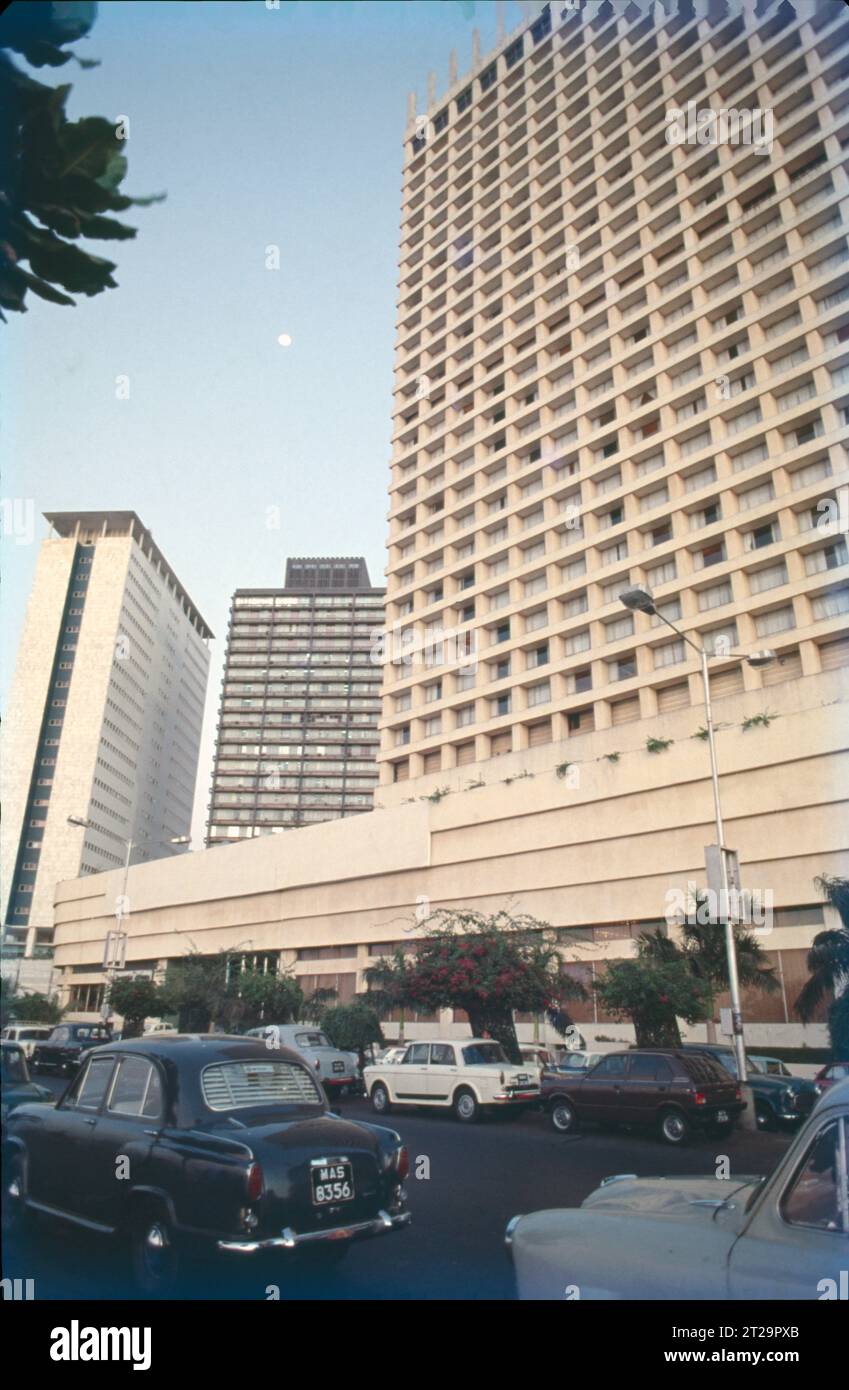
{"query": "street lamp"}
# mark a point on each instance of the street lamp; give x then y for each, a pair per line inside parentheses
(110, 954)
(640, 600)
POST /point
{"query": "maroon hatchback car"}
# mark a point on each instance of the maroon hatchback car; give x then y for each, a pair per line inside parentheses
(671, 1092)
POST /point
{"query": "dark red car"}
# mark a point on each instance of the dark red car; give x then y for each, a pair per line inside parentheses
(830, 1075)
(672, 1092)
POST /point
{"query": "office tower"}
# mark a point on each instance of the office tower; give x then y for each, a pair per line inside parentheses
(622, 359)
(297, 733)
(104, 716)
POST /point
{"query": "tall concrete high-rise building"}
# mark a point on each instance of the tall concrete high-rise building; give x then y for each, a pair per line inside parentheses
(622, 359)
(297, 733)
(104, 716)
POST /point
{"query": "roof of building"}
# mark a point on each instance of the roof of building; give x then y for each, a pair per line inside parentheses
(115, 523)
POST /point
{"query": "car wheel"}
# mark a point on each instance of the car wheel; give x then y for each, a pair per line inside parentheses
(764, 1116)
(561, 1116)
(674, 1127)
(15, 1213)
(380, 1099)
(155, 1258)
(466, 1108)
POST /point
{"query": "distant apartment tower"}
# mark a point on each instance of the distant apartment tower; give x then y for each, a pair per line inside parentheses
(622, 359)
(104, 716)
(297, 733)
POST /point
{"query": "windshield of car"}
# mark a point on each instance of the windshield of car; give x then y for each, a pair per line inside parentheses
(480, 1054)
(241, 1085)
(839, 1072)
(14, 1064)
(311, 1040)
(704, 1069)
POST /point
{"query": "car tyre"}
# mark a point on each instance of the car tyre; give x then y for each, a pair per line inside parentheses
(674, 1127)
(466, 1107)
(154, 1254)
(562, 1117)
(16, 1216)
(380, 1101)
(764, 1115)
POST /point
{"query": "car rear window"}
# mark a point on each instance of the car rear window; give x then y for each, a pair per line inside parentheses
(239, 1085)
(703, 1069)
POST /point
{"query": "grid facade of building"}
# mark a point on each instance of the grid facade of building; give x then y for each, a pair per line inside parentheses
(104, 719)
(297, 733)
(620, 360)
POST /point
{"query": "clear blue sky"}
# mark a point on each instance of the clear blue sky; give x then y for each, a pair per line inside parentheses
(264, 127)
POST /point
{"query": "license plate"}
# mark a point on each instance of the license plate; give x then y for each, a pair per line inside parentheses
(332, 1183)
(522, 1079)
(338, 1066)
(722, 1116)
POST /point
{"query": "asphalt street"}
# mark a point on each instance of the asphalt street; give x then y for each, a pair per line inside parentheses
(466, 1181)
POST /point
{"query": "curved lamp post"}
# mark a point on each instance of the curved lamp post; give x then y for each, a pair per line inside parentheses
(640, 600)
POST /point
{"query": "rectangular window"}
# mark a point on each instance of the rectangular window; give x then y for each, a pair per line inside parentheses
(779, 620)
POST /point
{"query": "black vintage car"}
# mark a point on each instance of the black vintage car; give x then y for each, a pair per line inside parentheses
(16, 1085)
(228, 1146)
(64, 1049)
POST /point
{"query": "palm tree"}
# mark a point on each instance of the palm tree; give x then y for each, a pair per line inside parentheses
(702, 946)
(828, 965)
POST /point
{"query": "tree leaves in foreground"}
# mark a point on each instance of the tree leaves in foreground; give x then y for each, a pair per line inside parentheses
(59, 179)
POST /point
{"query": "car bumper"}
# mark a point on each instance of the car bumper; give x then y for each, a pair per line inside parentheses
(515, 1098)
(710, 1116)
(380, 1225)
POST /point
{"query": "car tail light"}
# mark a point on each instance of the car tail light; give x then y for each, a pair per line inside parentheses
(317, 1063)
(255, 1182)
(738, 1093)
(501, 1078)
(700, 1098)
(402, 1162)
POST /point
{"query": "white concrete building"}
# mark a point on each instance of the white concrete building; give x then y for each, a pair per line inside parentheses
(104, 716)
(622, 360)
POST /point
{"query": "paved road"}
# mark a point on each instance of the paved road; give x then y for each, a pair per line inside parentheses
(479, 1176)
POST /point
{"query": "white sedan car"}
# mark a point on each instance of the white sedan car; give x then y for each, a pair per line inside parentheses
(468, 1076)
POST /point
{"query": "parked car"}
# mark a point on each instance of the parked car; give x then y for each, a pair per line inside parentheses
(780, 1102)
(665, 1089)
(26, 1035)
(830, 1075)
(231, 1148)
(576, 1061)
(392, 1054)
(776, 1238)
(338, 1071)
(16, 1085)
(536, 1056)
(772, 1066)
(68, 1043)
(160, 1026)
(468, 1077)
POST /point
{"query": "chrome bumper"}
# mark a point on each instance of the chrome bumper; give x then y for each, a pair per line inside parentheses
(288, 1239)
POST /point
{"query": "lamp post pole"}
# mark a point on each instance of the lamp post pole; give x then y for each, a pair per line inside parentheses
(640, 600)
(115, 944)
(730, 943)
